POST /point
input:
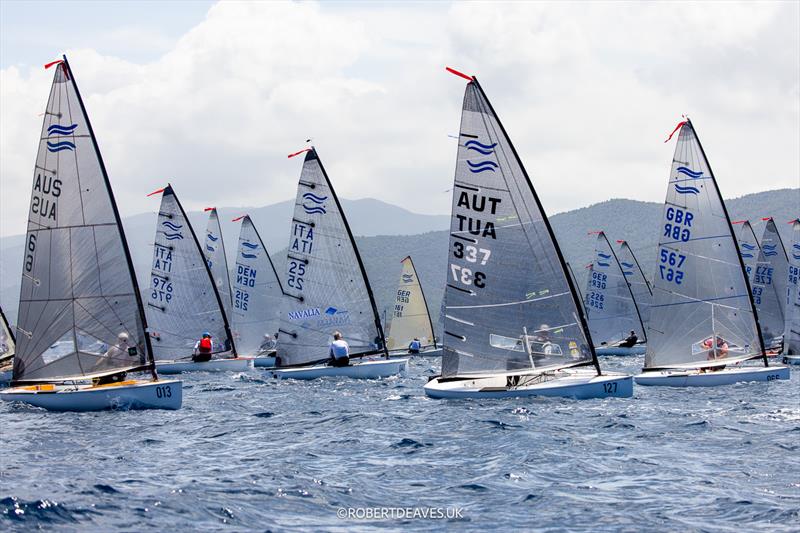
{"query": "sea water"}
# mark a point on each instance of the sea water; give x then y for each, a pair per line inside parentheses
(250, 452)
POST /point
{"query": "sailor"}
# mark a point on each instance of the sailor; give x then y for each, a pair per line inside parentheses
(414, 346)
(543, 338)
(340, 351)
(203, 348)
(267, 345)
(718, 352)
(111, 359)
(630, 341)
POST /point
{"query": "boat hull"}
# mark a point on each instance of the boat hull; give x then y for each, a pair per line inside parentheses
(696, 378)
(264, 362)
(791, 359)
(359, 370)
(430, 352)
(580, 385)
(238, 364)
(163, 394)
(618, 350)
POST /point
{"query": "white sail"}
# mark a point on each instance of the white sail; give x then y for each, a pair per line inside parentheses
(769, 285)
(791, 341)
(640, 287)
(257, 294)
(702, 313)
(611, 310)
(510, 304)
(214, 250)
(183, 301)
(748, 247)
(410, 317)
(80, 312)
(326, 284)
(7, 342)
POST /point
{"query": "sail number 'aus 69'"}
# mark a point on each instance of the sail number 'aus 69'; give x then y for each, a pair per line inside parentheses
(670, 263)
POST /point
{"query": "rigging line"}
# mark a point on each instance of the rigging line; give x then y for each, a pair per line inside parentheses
(508, 303)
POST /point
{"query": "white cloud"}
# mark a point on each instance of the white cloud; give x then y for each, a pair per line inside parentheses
(587, 91)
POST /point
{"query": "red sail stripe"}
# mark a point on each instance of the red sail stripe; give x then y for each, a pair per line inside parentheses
(738, 222)
(459, 74)
(50, 64)
(766, 218)
(598, 232)
(239, 218)
(679, 126)
(156, 192)
(620, 242)
(210, 209)
(298, 153)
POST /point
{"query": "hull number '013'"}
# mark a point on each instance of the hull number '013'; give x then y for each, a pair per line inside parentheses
(163, 391)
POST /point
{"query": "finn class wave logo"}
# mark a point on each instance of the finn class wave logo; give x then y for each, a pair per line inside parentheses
(211, 236)
(210, 248)
(748, 246)
(689, 172)
(249, 246)
(58, 129)
(314, 199)
(769, 249)
(485, 149)
(482, 166)
(174, 227)
(626, 265)
(604, 256)
(408, 278)
(600, 263)
(686, 190)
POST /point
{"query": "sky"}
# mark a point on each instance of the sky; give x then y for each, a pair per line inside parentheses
(212, 96)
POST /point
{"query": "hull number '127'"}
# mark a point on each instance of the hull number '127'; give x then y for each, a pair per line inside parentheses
(610, 387)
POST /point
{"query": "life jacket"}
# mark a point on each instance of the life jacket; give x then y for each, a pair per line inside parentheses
(205, 345)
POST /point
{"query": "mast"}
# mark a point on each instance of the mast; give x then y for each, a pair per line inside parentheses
(573, 290)
(137, 293)
(736, 244)
(375, 313)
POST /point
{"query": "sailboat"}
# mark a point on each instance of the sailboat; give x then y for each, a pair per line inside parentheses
(513, 320)
(791, 339)
(703, 321)
(81, 325)
(410, 317)
(611, 308)
(7, 348)
(257, 294)
(769, 284)
(640, 286)
(326, 290)
(214, 251)
(183, 301)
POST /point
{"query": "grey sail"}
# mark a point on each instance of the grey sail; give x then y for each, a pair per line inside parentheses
(702, 313)
(7, 342)
(80, 311)
(326, 284)
(791, 342)
(183, 301)
(749, 247)
(611, 310)
(214, 250)
(257, 294)
(769, 285)
(640, 287)
(509, 301)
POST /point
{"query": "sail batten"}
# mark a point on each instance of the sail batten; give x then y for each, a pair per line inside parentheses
(80, 308)
(257, 294)
(506, 275)
(702, 309)
(327, 288)
(183, 300)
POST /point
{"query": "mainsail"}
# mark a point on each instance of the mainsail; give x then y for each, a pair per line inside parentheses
(791, 341)
(611, 310)
(769, 283)
(748, 247)
(510, 304)
(7, 342)
(80, 311)
(257, 294)
(702, 313)
(410, 317)
(640, 287)
(214, 250)
(183, 301)
(326, 284)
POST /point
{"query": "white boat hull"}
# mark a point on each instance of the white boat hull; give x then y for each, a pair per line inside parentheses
(133, 394)
(264, 362)
(696, 378)
(357, 370)
(565, 383)
(639, 349)
(791, 359)
(429, 352)
(238, 364)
